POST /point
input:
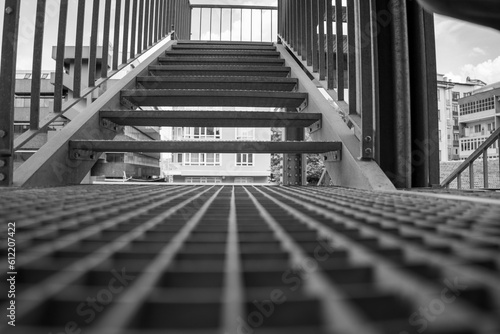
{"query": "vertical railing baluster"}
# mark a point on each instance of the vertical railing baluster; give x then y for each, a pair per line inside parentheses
(116, 34)
(105, 39)
(161, 13)
(146, 25)
(93, 43)
(329, 41)
(61, 46)
(36, 76)
(7, 90)
(471, 175)
(126, 32)
(201, 21)
(151, 22)
(351, 62)
(485, 168)
(77, 74)
(303, 29)
(309, 44)
(321, 40)
(141, 30)
(251, 25)
(157, 21)
(314, 32)
(133, 31)
(366, 74)
(339, 21)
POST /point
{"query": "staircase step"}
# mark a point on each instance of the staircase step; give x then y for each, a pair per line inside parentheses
(224, 43)
(223, 47)
(247, 61)
(219, 70)
(222, 53)
(213, 98)
(219, 146)
(212, 118)
(230, 83)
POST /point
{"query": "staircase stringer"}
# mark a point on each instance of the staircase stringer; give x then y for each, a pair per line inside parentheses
(52, 165)
(349, 171)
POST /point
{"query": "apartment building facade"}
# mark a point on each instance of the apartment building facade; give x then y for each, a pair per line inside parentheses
(479, 117)
(449, 94)
(217, 167)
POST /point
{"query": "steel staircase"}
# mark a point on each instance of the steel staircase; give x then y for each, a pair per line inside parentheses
(211, 74)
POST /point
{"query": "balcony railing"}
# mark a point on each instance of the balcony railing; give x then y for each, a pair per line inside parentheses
(122, 31)
(234, 23)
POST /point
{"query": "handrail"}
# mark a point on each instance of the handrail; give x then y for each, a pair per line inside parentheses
(134, 28)
(482, 150)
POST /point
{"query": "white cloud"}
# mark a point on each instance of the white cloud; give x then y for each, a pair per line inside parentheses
(488, 71)
(478, 50)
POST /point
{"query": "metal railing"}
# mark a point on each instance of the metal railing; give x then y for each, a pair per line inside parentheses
(376, 59)
(123, 30)
(234, 23)
(481, 152)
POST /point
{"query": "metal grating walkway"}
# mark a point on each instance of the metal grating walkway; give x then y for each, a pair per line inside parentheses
(245, 259)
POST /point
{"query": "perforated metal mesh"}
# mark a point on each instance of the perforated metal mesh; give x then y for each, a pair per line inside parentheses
(244, 259)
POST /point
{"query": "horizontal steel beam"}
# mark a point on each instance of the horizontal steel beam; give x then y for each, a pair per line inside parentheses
(216, 98)
(203, 146)
(211, 118)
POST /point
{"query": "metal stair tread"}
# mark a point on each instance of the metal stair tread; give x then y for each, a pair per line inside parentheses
(193, 146)
(216, 118)
(223, 47)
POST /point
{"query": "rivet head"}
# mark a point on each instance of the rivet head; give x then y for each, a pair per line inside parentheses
(2, 176)
(2, 133)
(368, 139)
(368, 151)
(8, 10)
(2, 163)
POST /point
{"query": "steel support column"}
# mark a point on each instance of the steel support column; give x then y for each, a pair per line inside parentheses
(294, 165)
(7, 89)
(424, 121)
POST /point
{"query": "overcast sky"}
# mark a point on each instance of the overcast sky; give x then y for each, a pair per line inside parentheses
(462, 49)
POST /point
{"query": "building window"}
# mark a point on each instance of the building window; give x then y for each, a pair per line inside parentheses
(202, 133)
(245, 134)
(243, 180)
(203, 180)
(244, 159)
(455, 96)
(201, 159)
(467, 94)
(439, 135)
(477, 128)
(439, 95)
(439, 115)
(21, 127)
